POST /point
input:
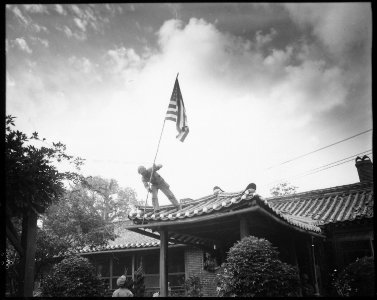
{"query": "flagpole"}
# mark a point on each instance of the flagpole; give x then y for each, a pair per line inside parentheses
(158, 147)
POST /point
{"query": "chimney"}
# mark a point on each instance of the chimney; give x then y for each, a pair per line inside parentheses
(365, 168)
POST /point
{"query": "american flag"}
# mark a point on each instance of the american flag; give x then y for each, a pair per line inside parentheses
(177, 113)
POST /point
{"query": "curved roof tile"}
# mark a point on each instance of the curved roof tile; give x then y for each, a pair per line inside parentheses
(306, 210)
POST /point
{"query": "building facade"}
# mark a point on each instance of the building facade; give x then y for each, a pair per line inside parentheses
(318, 231)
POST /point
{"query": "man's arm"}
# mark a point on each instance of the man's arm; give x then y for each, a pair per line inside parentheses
(146, 185)
(157, 167)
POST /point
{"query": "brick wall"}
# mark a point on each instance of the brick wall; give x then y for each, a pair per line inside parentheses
(194, 267)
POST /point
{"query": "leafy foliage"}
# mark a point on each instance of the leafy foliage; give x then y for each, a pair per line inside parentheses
(32, 180)
(110, 200)
(73, 277)
(357, 279)
(253, 269)
(84, 214)
(33, 183)
(76, 222)
(193, 286)
(282, 189)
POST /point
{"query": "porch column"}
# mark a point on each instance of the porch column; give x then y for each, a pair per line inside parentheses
(244, 229)
(163, 263)
(111, 262)
(313, 267)
(133, 267)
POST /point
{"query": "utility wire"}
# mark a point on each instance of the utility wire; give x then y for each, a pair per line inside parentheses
(300, 156)
(325, 167)
(353, 157)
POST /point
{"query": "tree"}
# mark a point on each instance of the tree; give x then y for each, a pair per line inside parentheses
(85, 214)
(33, 183)
(81, 219)
(282, 189)
(253, 269)
(109, 199)
(77, 222)
(74, 276)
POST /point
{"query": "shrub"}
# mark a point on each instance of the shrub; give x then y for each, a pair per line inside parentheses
(253, 269)
(193, 286)
(357, 279)
(74, 276)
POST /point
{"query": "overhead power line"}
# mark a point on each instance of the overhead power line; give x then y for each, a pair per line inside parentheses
(327, 166)
(303, 155)
(352, 158)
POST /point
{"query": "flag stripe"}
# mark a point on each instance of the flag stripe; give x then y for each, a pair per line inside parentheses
(171, 119)
(176, 112)
(172, 112)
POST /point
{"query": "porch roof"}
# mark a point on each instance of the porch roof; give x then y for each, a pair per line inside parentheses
(126, 240)
(308, 211)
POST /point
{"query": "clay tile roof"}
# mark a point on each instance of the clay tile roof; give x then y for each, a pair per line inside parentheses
(307, 210)
(126, 240)
(332, 205)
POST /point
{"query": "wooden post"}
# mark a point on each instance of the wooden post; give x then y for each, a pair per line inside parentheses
(371, 245)
(111, 264)
(133, 267)
(29, 245)
(163, 263)
(317, 293)
(244, 229)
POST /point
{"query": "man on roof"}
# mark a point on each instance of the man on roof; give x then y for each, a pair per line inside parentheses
(154, 182)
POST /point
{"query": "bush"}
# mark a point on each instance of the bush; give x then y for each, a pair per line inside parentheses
(193, 286)
(357, 279)
(252, 269)
(74, 276)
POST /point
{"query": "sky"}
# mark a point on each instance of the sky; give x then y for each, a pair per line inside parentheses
(262, 84)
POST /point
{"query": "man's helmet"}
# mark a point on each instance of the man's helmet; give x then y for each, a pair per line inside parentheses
(141, 169)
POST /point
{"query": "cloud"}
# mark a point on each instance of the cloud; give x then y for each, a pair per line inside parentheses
(262, 40)
(60, 9)
(22, 44)
(44, 42)
(67, 31)
(77, 10)
(38, 28)
(83, 64)
(79, 35)
(340, 26)
(17, 12)
(10, 81)
(121, 59)
(80, 23)
(305, 87)
(36, 8)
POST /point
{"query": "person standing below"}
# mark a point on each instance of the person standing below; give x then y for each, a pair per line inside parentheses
(154, 183)
(122, 291)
